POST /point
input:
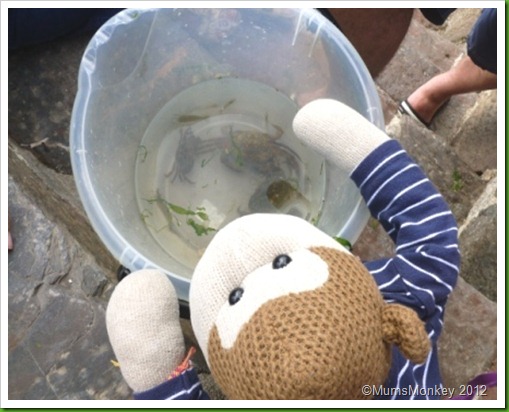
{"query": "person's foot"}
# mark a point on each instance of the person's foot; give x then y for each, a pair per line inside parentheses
(423, 109)
(423, 105)
(465, 77)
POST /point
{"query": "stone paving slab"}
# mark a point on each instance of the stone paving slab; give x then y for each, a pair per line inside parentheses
(468, 345)
(58, 346)
(458, 25)
(422, 54)
(42, 87)
(475, 141)
(478, 240)
(57, 195)
(459, 185)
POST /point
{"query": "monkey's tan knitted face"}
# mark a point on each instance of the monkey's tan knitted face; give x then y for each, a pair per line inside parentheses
(322, 343)
(281, 311)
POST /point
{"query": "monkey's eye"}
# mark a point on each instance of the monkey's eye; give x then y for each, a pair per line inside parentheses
(281, 261)
(235, 296)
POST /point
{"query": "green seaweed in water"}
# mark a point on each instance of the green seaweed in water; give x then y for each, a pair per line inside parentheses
(191, 118)
(200, 227)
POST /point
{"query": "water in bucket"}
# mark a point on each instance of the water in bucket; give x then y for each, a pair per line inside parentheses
(219, 150)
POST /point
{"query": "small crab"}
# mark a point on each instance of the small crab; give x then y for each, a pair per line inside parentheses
(278, 195)
(241, 150)
(188, 148)
(260, 153)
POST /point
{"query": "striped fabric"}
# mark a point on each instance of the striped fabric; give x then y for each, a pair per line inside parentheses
(186, 386)
(425, 268)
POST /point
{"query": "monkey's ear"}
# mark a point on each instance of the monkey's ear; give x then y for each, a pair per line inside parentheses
(402, 327)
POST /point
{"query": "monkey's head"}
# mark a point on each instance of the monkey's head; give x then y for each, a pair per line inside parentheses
(283, 311)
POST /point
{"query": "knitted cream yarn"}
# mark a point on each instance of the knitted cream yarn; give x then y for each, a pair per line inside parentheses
(143, 325)
(338, 132)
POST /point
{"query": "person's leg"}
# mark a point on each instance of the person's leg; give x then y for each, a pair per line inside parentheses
(465, 77)
(482, 41)
(475, 72)
(376, 34)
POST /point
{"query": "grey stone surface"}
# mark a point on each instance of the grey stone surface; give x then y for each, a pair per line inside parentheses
(42, 87)
(468, 344)
(479, 254)
(60, 275)
(453, 178)
(458, 25)
(373, 243)
(475, 141)
(389, 105)
(451, 116)
(56, 194)
(422, 55)
(478, 239)
(26, 380)
(58, 347)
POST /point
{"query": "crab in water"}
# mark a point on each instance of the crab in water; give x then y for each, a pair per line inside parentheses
(188, 148)
(250, 150)
(278, 195)
(260, 153)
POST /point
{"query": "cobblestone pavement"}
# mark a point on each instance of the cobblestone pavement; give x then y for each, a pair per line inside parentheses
(60, 276)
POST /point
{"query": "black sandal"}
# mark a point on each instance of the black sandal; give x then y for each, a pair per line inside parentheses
(405, 108)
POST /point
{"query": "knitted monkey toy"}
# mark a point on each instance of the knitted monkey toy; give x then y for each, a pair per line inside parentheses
(283, 311)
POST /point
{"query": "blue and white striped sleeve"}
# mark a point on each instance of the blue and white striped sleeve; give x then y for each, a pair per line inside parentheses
(419, 221)
(186, 386)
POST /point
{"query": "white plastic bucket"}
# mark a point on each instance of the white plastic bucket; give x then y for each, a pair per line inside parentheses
(141, 59)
